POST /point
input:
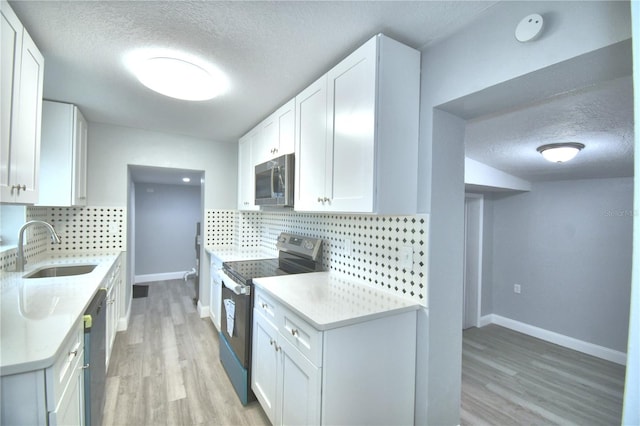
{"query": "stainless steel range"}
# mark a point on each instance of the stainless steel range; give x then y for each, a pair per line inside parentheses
(296, 255)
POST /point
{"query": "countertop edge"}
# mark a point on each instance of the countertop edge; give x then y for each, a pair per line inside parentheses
(48, 359)
(411, 306)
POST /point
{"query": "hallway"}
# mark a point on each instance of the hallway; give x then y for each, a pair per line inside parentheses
(165, 368)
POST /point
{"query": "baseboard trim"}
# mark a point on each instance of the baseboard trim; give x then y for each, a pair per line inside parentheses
(203, 310)
(165, 276)
(557, 338)
(123, 322)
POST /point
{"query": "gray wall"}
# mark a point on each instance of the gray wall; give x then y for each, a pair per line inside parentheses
(165, 224)
(482, 56)
(568, 244)
(486, 302)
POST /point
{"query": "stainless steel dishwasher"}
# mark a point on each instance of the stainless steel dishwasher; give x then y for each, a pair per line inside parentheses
(94, 358)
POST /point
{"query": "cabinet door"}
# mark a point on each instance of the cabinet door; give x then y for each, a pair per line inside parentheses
(351, 126)
(264, 364)
(10, 50)
(300, 382)
(79, 191)
(286, 116)
(266, 140)
(71, 408)
(246, 173)
(310, 146)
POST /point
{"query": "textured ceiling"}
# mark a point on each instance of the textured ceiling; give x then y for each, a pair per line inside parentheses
(269, 50)
(599, 116)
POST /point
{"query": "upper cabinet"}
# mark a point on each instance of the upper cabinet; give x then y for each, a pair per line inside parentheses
(273, 137)
(246, 173)
(356, 133)
(63, 156)
(276, 134)
(21, 110)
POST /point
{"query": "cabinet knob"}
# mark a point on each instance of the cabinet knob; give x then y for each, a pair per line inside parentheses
(84, 367)
(271, 342)
(264, 305)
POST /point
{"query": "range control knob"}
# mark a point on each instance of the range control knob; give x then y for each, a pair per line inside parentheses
(308, 245)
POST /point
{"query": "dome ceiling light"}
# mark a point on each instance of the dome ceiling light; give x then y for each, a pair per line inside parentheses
(177, 75)
(560, 152)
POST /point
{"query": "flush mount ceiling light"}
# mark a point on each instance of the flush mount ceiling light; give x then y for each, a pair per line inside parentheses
(177, 75)
(560, 152)
(186, 180)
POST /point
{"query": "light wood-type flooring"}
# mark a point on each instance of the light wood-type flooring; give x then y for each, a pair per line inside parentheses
(512, 379)
(165, 370)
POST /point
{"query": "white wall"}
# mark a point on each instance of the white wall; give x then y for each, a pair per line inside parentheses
(112, 148)
(481, 58)
(568, 244)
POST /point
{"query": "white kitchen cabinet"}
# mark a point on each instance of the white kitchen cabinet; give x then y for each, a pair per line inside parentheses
(246, 172)
(113, 284)
(215, 293)
(276, 134)
(350, 373)
(53, 396)
(357, 133)
(285, 382)
(21, 111)
(63, 156)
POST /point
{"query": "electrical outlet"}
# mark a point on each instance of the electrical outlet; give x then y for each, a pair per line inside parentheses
(516, 288)
(406, 257)
(347, 247)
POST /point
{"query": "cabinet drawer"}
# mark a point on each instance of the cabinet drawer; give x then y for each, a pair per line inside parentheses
(267, 307)
(70, 358)
(302, 336)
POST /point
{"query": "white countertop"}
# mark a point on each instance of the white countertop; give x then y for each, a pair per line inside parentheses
(37, 314)
(328, 300)
(233, 253)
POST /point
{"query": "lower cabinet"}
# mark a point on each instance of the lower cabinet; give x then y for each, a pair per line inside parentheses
(215, 293)
(53, 396)
(285, 382)
(113, 283)
(355, 373)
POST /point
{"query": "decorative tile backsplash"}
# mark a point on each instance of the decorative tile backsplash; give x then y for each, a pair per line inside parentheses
(376, 244)
(374, 256)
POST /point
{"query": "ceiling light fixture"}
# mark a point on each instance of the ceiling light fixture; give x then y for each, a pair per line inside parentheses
(176, 74)
(560, 152)
(186, 180)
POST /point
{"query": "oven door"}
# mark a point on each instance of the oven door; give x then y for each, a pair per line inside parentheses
(236, 319)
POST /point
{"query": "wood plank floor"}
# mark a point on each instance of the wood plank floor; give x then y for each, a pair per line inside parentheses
(165, 368)
(512, 379)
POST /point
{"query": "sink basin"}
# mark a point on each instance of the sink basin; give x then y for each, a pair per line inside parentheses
(60, 271)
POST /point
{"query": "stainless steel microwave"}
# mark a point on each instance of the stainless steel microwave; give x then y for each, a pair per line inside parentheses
(274, 182)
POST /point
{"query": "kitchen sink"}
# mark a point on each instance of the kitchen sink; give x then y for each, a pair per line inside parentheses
(60, 271)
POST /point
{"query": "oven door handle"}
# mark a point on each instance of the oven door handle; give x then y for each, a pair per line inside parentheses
(239, 289)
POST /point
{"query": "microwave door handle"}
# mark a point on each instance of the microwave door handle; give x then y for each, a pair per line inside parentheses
(273, 189)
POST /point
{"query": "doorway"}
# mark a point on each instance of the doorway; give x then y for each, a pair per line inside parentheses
(165, 205)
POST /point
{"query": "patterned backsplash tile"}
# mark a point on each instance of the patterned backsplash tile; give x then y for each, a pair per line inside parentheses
(365, 247)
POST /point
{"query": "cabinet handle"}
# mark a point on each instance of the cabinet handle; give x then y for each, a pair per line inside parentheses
(74, 353)
(320, 199)
(271, 342)
(326, 200)
(84, 367)
(18, 187)
(294, 331)
(264, 305)
(278, 348)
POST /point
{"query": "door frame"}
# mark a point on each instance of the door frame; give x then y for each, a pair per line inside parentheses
(472, 284)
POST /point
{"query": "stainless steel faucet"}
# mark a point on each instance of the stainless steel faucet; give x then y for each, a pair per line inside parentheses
(20, 261)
